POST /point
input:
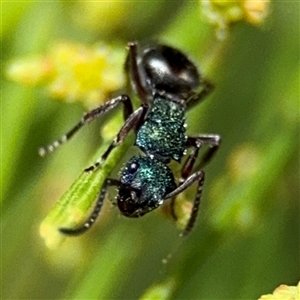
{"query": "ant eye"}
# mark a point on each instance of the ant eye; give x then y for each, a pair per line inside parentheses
(132, 168)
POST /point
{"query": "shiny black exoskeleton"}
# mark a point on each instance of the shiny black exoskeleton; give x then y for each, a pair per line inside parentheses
(167, 83)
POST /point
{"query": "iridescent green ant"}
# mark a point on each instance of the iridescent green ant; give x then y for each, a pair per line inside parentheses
(168, 84)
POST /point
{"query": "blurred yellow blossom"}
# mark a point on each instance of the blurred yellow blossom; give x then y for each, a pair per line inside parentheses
(73, 72)
(30, 71)
(223, 13)
(256, 11)
(181, 210)
(244, 162)
(284, 292)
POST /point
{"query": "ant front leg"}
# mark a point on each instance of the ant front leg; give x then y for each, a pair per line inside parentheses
(91, 220)
(133, 121)
(87, 118)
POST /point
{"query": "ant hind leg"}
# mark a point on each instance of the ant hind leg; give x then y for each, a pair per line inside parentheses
(95, 213)
(195, 177)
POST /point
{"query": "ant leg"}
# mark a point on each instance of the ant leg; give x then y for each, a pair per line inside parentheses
(87, 118)
(196, 177)
(132, 122)
(134, 71)
(212, 140)
(91, 220)
(207, 88)
(185, 172)
(190, 161)
(187, 168)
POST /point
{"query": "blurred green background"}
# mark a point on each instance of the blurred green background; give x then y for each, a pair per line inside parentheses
(246, 240)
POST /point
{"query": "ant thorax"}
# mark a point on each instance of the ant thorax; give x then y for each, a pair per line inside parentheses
(163, 132)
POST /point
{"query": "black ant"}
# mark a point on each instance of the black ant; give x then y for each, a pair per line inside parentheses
(167, 83)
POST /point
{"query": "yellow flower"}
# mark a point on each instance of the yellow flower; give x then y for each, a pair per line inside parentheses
(74, 72)
(224, 13)
(284, 292)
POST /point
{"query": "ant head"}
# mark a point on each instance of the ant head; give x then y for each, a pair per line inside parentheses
(144, 183)
(130, 201)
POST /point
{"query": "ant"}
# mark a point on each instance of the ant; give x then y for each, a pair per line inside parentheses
(167, 84)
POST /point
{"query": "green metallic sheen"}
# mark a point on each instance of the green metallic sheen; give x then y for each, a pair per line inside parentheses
(150, 177)
(163, 132)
